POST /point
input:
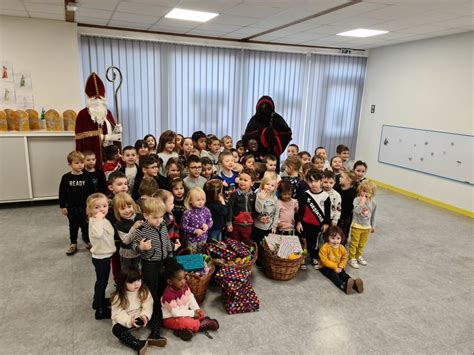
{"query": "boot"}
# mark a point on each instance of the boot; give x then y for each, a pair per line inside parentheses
(128, 339)
(359, 285)
(155, 338)
(208, 324)
(94, 305)
(184, 334)
(102, 313)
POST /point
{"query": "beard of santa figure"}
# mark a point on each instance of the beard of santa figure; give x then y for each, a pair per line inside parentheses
(97, 108)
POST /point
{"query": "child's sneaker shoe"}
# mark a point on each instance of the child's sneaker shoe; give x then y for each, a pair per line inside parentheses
(184, 334)
(353, 263)
(72, 249)
(361, 260)
(316, 264)
(160, 341)
(347, 286)
(208, 324)
(359, 285)
(303, 267)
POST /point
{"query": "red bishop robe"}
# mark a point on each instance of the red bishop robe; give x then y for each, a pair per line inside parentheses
(88, 134)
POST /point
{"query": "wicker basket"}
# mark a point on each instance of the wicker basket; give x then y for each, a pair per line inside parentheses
(200, 284)
(280, 269)
(246, 266)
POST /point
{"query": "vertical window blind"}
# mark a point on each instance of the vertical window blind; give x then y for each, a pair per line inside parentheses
(187, 88)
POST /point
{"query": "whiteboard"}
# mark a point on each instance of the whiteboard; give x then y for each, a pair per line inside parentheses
(443, 154)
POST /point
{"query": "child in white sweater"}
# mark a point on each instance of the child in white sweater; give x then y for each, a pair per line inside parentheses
(181, 312)
(101, 235)
(132, 308)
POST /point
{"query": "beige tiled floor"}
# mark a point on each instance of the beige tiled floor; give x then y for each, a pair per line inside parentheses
(418, 296)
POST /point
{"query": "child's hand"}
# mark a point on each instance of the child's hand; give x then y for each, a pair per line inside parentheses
(372, 230)
(334, 223)
(325, 226)
(225, 184)
(197, 314)
(137, 224)
(99, 215)
(205, 227)
(145, 245)
(221, 199)
(177, 244)
(299, 227)
(145, 320)
(230, 229)
(198, 232)
(134, 324)
(338, 270)
(273, 230)
(64, 211)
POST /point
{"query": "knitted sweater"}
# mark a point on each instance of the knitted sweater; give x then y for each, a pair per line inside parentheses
(288, 210)
(333, 257)
(101, 235)
(161, 246)
(135, 308)
(268, 207)
(194, 219)
(178, 303)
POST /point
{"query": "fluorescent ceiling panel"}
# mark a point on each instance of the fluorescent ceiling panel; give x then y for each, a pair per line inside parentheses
(190, 15)
(362, 33)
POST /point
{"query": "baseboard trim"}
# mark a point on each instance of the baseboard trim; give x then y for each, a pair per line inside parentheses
(425, 199)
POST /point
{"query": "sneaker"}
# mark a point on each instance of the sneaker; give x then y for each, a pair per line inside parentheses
(353, 263)
(72, 249)
(347, 287)
(361, 260)
(184, 334)
(303, 267)
(160, 341)
(316, 264)
(102, 313)
(141, 347)
(359, 285)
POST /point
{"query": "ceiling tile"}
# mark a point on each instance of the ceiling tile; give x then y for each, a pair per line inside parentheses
(460, 22)
(102, 4)
(51, 2)
(12, 5)
(19, 13)
(165, 3)
(253, 11)
(91, 20)
(50, 16)
(199, 32)
(208, 5)
(126, 24)
(218, 27)
(142, 9)
(395, 12)
(45, 8)
(422, 29)
(85, 12)
(234, 20)
(358, 22)
(169, 29)
(177, 23)
(133, 18)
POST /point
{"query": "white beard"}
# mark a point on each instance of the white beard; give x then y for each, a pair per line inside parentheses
(97, 107)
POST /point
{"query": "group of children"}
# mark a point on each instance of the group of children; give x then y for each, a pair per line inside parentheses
(154, 199)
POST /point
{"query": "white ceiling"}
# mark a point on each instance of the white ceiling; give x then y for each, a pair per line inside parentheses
(407, 20)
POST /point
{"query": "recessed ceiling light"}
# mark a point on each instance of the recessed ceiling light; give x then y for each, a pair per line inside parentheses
(190, 15)
(361, 32)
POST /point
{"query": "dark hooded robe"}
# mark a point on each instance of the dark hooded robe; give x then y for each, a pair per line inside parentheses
(269, 129)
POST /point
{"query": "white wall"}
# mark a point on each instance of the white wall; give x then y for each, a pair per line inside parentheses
(49, 51)
(423, 84)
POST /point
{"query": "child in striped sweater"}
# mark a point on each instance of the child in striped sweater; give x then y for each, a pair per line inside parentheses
(181, 312)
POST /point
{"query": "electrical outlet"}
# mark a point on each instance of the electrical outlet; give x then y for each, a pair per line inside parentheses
(372, 109)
